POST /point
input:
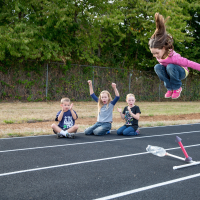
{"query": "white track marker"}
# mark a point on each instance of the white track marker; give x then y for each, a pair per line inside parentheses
(83, 162)
(70, 164)
(171, 155)
(187, 165)
(102, 141)
(148, 187)
(35, 136)
(159, 151)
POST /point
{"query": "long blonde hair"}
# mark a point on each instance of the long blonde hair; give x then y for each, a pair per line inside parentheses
(161, 38)
(100, 103)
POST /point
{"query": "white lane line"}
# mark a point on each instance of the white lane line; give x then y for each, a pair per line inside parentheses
(70, 164)
(114, 140)
(170, 126)
(111, 130)
(148, 187)
(84, 162)
(35, 136)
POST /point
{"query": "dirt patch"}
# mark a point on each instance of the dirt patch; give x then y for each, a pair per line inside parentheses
(171, 117)
(90, 121)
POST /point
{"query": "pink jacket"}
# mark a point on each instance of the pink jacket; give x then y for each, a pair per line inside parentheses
(175, 58)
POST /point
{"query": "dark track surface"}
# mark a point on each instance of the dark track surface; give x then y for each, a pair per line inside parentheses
(91, 167)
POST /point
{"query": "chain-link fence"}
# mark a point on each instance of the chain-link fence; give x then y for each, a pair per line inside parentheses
(57, 80)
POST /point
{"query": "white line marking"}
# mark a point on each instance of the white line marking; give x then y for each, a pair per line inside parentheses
(132, 138)
(35, 136)
(148, 187)
(83, 132)
(171, 125)
(84, 162)
(70, 164)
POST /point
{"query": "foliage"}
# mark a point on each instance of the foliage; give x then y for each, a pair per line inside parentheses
(190, 49)
(113, 34)
(72, 83)
(101, 32)
(8, 121)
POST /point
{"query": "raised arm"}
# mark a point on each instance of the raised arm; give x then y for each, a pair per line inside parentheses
(90, 87)
(115, 89)
(91, 91)
(116, 94)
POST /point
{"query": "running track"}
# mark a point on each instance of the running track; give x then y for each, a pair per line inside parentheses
(104, 167)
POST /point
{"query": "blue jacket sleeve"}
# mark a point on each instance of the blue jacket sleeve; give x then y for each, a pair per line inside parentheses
(115, 100)
(94, 97)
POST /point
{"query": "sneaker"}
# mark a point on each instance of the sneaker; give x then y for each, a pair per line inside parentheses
(137, 131)
(108, 132)
(59, 135)
(70, 135)
(169, 94)
(176, 93)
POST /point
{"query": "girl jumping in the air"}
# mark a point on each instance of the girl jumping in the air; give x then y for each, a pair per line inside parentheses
(172, 68)
(105, 111)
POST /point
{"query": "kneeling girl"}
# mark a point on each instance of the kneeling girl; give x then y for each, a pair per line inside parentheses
(105, 111)
(131, 114)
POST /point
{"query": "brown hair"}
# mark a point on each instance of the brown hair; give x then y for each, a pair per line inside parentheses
(65, 100)
(100, 103)
(161, 38)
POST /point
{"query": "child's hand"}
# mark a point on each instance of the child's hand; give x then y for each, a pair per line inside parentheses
(89, 82)
(119, 110)
(129, 109)
(71, 106)
(113, 85)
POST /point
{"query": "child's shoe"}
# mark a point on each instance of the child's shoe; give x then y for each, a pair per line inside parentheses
(176, 93)
(59, 135)
(169, 94)
(137, 131)
(70, 135)
(108, 132)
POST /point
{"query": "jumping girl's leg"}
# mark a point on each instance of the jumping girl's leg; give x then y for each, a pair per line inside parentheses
(120, 130)
(176, 74)
(163, 76)
(102, 130)
(89, 130)
(130, 131)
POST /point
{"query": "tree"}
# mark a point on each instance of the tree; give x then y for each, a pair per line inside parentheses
(136, 25)
(191, 48)
(108, 33)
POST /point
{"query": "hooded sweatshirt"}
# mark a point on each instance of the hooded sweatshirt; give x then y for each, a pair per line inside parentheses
(176, 59)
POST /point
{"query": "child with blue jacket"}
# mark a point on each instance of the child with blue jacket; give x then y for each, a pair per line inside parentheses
(105, 111)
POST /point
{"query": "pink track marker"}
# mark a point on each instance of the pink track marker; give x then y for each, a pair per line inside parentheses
(187, 158)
